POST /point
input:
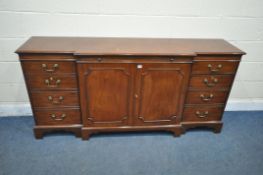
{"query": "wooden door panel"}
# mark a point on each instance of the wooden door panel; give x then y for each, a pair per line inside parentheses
(107, 91)
(161, 91)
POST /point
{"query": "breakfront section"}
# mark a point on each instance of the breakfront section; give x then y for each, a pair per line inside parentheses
(126, 94)
(89, 85)
(211, 80)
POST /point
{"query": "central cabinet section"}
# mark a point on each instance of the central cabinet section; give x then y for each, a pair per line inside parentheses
(106, 94)
(121, 93)
(159, 91)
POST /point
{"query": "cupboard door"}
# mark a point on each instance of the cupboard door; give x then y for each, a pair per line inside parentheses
(105, 91)
(160, 93)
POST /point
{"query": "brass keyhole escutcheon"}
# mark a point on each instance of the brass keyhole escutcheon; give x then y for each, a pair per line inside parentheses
(139, 66)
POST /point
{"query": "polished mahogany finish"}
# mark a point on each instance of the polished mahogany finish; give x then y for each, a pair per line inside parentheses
(89, 85)
(211, 81)
(58, 116)
(105, 94)
(49, 99)
(44, 67)
(203, 113)
(206, 97)
(160, 91)
(215, 67)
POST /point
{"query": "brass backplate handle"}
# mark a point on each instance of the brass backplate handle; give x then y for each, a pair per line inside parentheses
(53, 69)
(206, 97)
(211, 84)
(58, 118)
(212, 69)
(51, 80)
(56, 100)
(201, 114)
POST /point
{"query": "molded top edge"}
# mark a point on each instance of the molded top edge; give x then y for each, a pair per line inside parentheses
(128, 46)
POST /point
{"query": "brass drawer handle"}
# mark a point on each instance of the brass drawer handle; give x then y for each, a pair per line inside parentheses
(211, 84)
(201, 114)
(53, 69)
(171, 59)
(207, 98)
(58, 118)
(56, 101)
(217, 69)
(51, 80)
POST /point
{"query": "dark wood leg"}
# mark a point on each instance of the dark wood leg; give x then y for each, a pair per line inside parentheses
(38, 134)
(215, 126)
(75, 131)
(177, 132)
(218, 128)
(85, 135)
(77, 134)
(183, 130)
(40, 131)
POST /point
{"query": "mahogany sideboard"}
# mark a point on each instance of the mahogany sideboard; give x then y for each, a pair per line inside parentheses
(90, 85)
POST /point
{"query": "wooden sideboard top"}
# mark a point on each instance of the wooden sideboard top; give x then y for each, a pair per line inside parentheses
(128, 46)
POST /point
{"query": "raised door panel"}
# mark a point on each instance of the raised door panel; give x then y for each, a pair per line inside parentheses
(160, 93)
(105, 94)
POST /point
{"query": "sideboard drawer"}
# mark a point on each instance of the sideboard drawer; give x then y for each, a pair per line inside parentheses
(206, 97)
(55, 99)
(215, 67)
(51, 82)
(201, 113)
(43, 67)
(57, 117)
(211, 81)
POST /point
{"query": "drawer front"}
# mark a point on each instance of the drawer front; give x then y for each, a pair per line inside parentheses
(214, 67)
(57, 117)
(55, 99)
(206, 97)
(211, 81)
(52, 82)
(48, 67)
(201, 113)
